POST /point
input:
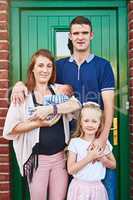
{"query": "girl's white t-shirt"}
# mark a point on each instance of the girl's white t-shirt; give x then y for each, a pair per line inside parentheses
(92, 171)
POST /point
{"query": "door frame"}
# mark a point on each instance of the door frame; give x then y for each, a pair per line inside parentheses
(121, 8)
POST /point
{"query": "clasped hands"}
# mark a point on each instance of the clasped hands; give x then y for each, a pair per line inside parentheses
(96, 149)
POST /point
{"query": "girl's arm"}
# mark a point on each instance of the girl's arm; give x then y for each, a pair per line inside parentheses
(108, 161)
(74, 166)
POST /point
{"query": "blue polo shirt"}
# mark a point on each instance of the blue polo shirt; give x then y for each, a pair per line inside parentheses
(88, 80)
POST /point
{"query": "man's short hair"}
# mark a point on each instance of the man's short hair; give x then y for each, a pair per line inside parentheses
(78, 20)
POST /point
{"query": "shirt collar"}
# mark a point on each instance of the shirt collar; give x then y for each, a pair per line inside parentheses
(88, 59)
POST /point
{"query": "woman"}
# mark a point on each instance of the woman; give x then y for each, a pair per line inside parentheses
(38, 145)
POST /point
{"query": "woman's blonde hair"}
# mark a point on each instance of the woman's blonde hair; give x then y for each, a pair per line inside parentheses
(93, 106)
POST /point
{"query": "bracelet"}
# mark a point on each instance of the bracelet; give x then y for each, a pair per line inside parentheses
(55, 110)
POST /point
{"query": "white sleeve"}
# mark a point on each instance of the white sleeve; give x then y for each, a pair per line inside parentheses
(72, 146)
(108, 148)
(13, 117)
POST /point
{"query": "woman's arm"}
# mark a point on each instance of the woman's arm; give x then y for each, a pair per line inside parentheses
(28, 125)
(16, 123)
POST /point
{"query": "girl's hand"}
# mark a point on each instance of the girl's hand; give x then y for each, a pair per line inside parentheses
(95, 152)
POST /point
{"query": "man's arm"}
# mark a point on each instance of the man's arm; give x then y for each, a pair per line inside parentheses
(19, 93)
(41, 112)
(108, 101)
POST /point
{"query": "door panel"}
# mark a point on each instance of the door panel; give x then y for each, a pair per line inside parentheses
(38, 29)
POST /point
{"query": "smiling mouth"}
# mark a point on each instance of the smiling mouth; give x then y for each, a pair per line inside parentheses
(44, 76)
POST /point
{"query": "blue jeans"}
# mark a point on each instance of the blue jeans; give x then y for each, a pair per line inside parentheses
(110, 183)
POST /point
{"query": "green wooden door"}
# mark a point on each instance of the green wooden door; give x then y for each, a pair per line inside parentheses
(40, 28)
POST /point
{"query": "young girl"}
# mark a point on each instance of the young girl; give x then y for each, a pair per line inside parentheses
(88, 163)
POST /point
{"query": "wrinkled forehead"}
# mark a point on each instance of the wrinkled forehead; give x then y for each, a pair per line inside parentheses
(80, 27)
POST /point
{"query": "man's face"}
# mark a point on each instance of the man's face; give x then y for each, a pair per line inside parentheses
(81, 36)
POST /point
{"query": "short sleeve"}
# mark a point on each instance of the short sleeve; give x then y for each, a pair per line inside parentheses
(72, 146)
(108, 148)
(107, 81)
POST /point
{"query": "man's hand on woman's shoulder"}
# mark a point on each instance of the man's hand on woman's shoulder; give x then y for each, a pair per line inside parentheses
(19, 93)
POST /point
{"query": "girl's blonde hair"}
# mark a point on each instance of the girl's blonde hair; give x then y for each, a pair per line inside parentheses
(93, 106)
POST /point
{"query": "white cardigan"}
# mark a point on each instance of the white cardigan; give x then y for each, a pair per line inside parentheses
(23, 143)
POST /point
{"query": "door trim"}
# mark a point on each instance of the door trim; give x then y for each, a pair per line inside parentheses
(121, 8)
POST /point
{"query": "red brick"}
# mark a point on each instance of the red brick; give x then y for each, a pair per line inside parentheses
(4, 46)
(4, 186)
(4, 35)
(5, 196)
(3, 74)
(3, 112)
(3, 25)
(130, 92)
(131, 129)
(131, 82)
(130, 15)
(4, 55)
(130, 54)
(131, 64)
(130, 72)
(4, 168)
(3, 6)
(130, 44)
(4, 64)
(2, 140)
(131, 110)
(4, 150)
(4, 84)
(130, 26)
(3, 17)
(130, 6)
(3, 93)
(2, 121)
(131, 35)
(4, 159)
(131, 120)
(4, 103)
(4, 177)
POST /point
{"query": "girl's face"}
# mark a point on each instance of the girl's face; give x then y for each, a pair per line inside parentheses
(90, 121)
(42, 69)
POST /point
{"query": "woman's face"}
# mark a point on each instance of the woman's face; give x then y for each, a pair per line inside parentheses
(42, 70)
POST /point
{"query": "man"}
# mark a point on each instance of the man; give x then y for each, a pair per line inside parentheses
(90, 76)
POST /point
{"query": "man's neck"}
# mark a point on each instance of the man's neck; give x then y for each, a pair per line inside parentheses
(80, 57)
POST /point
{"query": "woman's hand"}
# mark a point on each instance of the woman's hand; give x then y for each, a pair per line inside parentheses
(43, 123)
(41, 112)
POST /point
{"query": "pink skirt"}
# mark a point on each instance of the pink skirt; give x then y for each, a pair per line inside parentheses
(84, 190)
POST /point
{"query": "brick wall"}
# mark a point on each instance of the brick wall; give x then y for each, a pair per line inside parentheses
(130, 37)
(4, 66)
